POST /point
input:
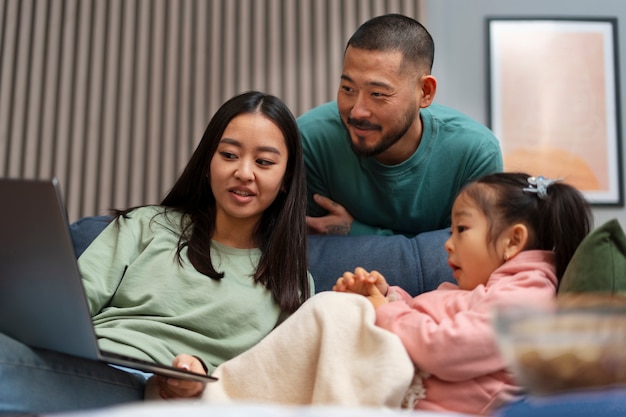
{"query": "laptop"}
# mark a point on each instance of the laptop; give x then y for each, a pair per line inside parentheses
(42, 298)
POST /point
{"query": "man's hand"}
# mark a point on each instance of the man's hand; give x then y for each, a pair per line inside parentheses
(170, 388)
(337, 222)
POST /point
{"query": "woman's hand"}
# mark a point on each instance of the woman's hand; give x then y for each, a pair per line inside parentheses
(170, 388)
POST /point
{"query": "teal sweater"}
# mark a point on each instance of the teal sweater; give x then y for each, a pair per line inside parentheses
(409, 198)
(147, 305)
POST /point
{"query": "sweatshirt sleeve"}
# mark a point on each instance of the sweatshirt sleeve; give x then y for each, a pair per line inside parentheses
(103, 263)
(359, 228)
(455, 347)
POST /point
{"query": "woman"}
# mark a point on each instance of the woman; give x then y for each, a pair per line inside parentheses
(204, 275)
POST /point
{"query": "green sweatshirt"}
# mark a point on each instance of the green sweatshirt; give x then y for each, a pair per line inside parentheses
(408, 198)
(147, 305)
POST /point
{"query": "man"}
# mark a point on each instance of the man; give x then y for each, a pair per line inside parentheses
(382, 158)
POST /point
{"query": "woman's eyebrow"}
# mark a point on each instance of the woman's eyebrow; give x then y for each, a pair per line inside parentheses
(230, 141)
(235, 142)
(268, 149)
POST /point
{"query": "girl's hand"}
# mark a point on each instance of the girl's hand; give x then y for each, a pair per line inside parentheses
(369, 284)
(379, 281)
(352, 282)
(377, 289)
(170, 388)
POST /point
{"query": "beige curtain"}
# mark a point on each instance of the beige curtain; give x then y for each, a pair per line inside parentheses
(111, 96)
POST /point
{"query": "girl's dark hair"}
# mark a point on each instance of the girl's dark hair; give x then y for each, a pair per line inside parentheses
(281, 232)
(557, 222)
(396, 32)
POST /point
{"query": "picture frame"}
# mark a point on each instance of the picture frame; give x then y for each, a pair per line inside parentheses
(553, 100)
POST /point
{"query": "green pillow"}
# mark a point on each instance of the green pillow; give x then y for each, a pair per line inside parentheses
(599, 263)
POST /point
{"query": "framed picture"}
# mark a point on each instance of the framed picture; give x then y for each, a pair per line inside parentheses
(554, 101)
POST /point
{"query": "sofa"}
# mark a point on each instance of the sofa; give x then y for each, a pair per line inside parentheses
(416, 264)
(419, 264)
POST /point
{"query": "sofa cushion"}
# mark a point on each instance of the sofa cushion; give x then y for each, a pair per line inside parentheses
(599, 263)
(416, 264)
(85, 230)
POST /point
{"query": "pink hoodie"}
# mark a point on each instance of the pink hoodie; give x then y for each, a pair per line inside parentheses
(449, 334)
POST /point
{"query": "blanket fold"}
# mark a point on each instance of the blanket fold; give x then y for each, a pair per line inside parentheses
(328, 352)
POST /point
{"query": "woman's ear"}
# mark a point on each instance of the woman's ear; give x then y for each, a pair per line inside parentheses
(516, 240)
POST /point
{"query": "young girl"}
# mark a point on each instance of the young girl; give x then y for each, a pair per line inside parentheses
(512, 237)
(193, 281)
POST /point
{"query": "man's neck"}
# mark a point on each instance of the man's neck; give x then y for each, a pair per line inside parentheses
(405, 147)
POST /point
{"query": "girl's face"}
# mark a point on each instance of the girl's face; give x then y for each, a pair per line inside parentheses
(470, 254)
(248, 167)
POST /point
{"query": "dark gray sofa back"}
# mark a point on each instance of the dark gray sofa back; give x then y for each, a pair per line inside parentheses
(416, 264)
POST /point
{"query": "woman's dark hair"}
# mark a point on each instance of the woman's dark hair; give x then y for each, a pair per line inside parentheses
(396, 32)
(556, 222)
(281, 232)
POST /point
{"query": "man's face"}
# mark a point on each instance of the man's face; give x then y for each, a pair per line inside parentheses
(378, 104)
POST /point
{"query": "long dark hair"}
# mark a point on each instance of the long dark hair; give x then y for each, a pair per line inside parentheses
(556, 222)
(281, 232)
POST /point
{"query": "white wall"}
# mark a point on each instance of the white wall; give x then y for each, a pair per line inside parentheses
(458, 28)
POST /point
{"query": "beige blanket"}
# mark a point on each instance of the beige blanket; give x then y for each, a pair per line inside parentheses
(328, 352)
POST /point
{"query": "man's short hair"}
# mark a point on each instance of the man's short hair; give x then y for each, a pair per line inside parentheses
(396, 32)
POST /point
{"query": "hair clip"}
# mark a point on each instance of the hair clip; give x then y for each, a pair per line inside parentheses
(539, 185)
